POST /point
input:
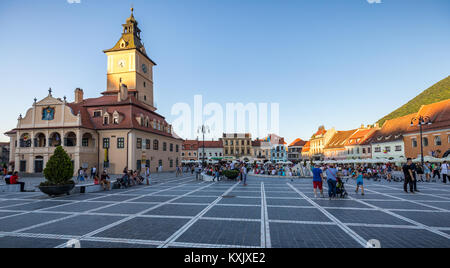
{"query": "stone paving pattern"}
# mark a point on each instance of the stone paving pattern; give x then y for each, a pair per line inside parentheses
(182, 212)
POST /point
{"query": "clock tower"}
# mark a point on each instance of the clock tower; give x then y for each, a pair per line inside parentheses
(129, 64)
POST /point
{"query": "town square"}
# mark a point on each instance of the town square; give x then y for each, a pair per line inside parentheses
(125, 161)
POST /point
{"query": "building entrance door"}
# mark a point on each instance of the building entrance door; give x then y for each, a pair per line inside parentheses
(38, 164)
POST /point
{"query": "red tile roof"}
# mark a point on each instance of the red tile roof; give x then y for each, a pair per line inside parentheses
(339, 139)
(297, 142)
(307, 147)
(196, 144)
(360, 136)
(129, 110)
(439, 114)
(393, 129)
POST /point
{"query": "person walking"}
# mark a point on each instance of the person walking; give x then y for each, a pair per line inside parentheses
(427, 171)
(445, 171)
(80, 177)
(318, 180)
(409, 176)
(244, 174)
(198, 171)
(147, 175)
(93, 172)
(178, 171)
(436, 172)
(332, 174)
(388, 172)
(359, 182)
(414, 169)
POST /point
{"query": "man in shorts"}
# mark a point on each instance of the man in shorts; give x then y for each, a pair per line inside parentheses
(317, 180)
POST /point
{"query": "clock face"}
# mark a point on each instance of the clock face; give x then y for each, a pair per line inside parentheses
(144, 68)
(122, 63)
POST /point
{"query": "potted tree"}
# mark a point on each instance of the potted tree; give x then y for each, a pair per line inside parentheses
(231, 174)
(58, 173)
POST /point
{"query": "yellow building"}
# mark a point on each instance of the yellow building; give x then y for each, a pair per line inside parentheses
(117, 130)
(237, 146)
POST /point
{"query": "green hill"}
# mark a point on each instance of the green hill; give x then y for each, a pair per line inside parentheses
(438, 92)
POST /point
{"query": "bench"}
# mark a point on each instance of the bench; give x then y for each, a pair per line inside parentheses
(10, 188)
(86, 188)
(206, 177)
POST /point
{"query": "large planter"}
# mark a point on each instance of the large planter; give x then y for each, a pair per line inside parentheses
(231, 174)
(57, 190)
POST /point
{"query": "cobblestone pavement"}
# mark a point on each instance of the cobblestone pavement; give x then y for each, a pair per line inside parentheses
(182, 212)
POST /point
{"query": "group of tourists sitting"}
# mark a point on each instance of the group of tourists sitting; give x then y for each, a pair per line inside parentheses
(132, 178)
(13, 178)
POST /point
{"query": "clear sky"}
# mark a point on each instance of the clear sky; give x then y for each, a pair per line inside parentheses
(339, 63)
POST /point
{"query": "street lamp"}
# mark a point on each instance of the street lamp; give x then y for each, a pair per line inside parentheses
(421, 121)
(203, 129)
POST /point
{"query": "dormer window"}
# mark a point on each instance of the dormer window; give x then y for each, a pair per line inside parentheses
(98, 113)
(116, 118)
(106, 119)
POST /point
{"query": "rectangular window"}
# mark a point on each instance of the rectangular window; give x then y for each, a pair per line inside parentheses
(414, 142)
(398, 148)
(377, 149)
(369, 150)
(437, 140)
(147, 144)
(105, 143)
(171, 147)
(177, 148)
(387, 149)
(425, 142)
(85, 142)
(97, 113)
(120, 143)
(139, 143)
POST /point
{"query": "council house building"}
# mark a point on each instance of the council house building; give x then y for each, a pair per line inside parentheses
(117, 130)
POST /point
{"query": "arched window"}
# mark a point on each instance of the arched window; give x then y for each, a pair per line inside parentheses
(87, 140)
(40, 140)
(106, 119)
(54, 139)
(116, 118)
(25, 140)
(70, 140)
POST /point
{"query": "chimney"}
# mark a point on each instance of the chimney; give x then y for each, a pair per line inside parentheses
(123, 93)
(78, 95)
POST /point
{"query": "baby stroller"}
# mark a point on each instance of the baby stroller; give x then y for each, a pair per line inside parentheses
(340, 188)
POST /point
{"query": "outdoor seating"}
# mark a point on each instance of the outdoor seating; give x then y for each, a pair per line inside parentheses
(9, 188)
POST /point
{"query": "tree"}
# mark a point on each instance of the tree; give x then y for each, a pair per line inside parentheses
(59, 169)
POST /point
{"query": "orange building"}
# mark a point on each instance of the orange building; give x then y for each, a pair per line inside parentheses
(436, 136)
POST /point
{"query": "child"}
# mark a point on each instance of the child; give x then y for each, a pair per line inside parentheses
(359, 182)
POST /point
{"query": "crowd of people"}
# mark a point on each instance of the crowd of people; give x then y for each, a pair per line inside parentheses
(217, 170)
(410, 173)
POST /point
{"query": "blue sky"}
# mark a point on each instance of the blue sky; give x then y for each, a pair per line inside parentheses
(334, 62)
